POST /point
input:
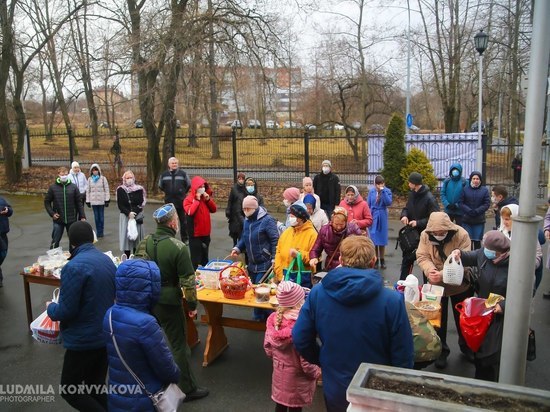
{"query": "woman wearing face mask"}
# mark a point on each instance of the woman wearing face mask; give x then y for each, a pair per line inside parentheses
(98, 197)
(474, 202)
(358, 210)
(329, 239)
(298, 238)
(437, 242)
(290, 195)
(233, 211)
(131, 199)
(198, 205)
(451, 191)
(492, 262)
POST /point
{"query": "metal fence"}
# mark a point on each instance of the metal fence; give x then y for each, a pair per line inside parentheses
(285, 156)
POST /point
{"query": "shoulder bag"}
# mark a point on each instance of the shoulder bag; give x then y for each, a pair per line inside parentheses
(167, 399)
(139, 217)
(299, 275)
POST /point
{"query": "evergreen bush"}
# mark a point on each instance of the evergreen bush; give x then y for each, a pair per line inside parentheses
(417, 161)
(394, 153)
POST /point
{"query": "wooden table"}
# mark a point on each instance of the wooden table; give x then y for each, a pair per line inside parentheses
(29, 278)
(213, 302)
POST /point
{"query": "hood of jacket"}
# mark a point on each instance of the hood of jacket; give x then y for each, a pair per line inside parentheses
(97, 167)
(197, 182)
(440, 221)
(255, 192)
(478, 174)
(352, 286)
(283, 337)
(137, 283)
(458, 167)
(258, 214)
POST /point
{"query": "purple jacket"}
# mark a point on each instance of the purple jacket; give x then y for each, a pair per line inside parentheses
(328, 241)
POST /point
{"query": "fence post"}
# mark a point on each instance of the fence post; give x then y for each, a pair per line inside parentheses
(306, 151)
(484, 157)
(70, 133)
(234, 150)
(28, 161)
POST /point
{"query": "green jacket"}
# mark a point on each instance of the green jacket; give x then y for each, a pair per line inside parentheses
(176, 269)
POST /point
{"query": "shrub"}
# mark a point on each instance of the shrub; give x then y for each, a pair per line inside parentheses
(417, 161)
(394, 153)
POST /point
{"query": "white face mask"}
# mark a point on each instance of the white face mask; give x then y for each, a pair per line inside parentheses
(326, 170)
(129, 182)
(292, 221)
(63, 178)
(440, 238)
(493, 199)
(201, 190)
(286, 203)
(248, 213)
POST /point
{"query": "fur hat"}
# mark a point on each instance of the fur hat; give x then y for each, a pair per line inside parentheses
(80, 232)
(165, 213)
(497, 241)
(326, 163)
(292, 194)
(250, 202)
(289, 294)
(310, 199)
(299, 210)
(415, 178)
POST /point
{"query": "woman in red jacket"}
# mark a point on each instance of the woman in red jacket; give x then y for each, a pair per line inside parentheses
(197, 206)
(358, 210)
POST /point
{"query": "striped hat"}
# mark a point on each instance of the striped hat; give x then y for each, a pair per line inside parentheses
(289, 294)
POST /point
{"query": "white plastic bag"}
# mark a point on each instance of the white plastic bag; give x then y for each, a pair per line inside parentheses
(412, 294)
(453, 271)
(132, 233)
(44, 329)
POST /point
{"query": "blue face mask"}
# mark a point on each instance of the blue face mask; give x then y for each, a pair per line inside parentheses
(455, 173)
(250, 189)
(489, 254)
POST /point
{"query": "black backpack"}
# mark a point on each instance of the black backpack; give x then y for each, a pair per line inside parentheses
(408, 239)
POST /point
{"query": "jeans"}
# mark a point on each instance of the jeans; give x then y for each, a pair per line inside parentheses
(87, 367)
(99, 213)
(57, 233)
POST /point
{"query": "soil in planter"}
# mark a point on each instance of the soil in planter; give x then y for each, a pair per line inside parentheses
(490, 402)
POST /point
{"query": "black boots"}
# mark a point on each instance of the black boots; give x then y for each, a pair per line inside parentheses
(531, 346)
(382, 264)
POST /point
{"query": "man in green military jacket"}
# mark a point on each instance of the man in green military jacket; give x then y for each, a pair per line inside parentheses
(177, 274)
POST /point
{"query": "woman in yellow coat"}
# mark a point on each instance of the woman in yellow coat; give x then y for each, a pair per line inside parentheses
(298, 237)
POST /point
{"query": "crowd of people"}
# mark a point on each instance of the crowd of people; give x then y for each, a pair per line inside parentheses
(320, 334)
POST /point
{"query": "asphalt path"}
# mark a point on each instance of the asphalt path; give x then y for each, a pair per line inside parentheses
(239, 379)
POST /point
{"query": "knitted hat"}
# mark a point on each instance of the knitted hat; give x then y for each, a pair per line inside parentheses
(299, 210)
(80, 232)
(74, 164)
(326, 163)
(307, 179)
(250, 202)
(497, 241)
(165, 213)
(309, 199)
(340, 211)
(291, 194)
(415, 178)
(289, 294)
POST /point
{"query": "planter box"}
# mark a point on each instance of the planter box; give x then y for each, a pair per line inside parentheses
(452, 393)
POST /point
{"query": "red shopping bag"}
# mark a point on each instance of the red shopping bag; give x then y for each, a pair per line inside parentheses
(475, 319)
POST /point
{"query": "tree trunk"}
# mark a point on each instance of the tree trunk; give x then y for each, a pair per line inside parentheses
(215, 141)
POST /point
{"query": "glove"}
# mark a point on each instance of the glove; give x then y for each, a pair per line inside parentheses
(88, 204)
(107, 203)
(451, 206)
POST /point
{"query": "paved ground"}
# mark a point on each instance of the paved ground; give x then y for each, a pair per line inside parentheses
(239, 379)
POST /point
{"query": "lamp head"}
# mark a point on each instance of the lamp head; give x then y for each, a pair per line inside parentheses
(481, 40)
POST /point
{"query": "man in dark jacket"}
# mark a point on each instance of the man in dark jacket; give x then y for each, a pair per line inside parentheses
(356, 320)
(87, 291)
(5, 212)
(175, 184)
(234, 211)
(499, 199)
(177, 273)
(327, 186)
(417, 211)
(62, 202)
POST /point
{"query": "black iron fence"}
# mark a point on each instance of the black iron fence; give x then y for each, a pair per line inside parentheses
(284, 156)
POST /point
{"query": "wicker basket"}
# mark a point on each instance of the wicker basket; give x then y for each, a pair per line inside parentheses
(429, 309)
(234, 282)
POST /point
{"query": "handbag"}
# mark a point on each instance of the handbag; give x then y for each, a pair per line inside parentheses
(300, 276)
(167, 399)
(408, 239)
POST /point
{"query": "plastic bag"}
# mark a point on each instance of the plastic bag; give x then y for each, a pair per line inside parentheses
(475, 319)
(412, 293)
(453, 271)
(132, 232)
(44, 329)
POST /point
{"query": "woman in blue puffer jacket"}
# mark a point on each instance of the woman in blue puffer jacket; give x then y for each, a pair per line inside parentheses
(474, 202)
(139, 338)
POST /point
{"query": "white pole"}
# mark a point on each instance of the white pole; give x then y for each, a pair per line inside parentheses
(479, 157)
(408, 105)
(522, 252)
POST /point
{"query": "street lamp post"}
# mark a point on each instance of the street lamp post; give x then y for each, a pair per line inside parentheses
(480, 40)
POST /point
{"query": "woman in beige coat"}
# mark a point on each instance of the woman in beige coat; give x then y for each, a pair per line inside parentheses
(437, 241)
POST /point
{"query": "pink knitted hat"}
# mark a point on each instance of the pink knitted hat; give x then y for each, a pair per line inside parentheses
(250, 202)
(289, 294)
(291, 194)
